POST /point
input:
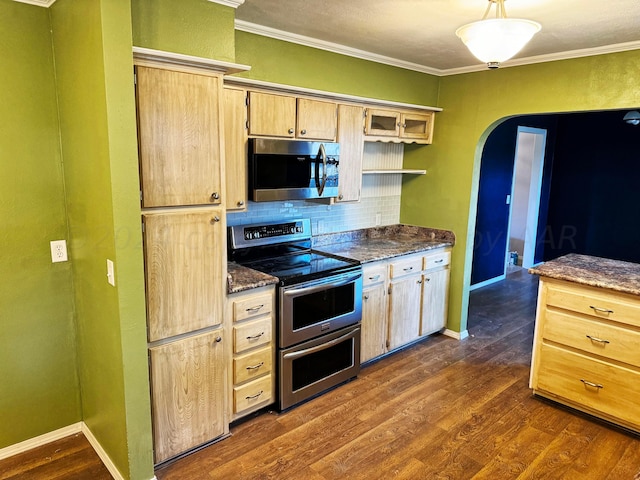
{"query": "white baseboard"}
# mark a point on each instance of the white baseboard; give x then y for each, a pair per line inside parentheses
(487, 282)
(457, 335)
(79, 427)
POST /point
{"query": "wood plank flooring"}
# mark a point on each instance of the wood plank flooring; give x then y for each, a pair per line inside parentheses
(439, 409)
(442, 409)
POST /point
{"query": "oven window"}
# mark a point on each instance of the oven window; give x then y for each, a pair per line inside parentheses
(323, 305)
(319, 365)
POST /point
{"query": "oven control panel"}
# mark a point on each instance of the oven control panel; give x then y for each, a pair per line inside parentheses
(267, 231)
(241, 236)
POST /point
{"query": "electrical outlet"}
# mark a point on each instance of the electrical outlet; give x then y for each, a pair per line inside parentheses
(111, 275)
(378, 219)
(58, 251)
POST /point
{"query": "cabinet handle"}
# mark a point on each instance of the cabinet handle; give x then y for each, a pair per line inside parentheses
(439, 261)
(303, 132)
(374, 278)
(215, 219)
(253, 337)
(255, 367)
(407, 269)
(251, 397)
(215, 196)
(601, 310)
(255, 309)
(366, 297)
(596, 339)
(291, 130)
(591, 384)
(218, 339)
(240, 203)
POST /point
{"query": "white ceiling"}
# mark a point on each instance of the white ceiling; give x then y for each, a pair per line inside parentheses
(420, 34)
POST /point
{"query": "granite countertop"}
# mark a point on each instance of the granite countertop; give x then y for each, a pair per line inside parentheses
(241, 278)
(594, 271)
(379, 243)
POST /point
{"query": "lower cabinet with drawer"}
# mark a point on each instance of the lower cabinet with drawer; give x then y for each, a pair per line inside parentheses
(403, 299)
(252, 374)
(585, 352)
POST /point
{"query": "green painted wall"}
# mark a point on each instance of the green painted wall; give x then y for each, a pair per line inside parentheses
(473, 104)
(38, 381)
(191, 27)
(92, 41)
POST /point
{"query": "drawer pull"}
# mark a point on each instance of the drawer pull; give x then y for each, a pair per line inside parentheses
(255, 367)
(596, 339)
(251, 397)
(253, 337)
(591, 384)
(439, 261)
(408, 269)
(254, 309)
(374, 278)
(601, 310)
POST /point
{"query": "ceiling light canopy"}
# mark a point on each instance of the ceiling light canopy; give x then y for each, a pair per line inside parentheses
(496, 40)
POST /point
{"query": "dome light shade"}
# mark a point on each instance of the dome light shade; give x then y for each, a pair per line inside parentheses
(632, 118)
(497, 39)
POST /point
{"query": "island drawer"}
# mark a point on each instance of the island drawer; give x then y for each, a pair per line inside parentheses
(593, 336)
(252, 306)
(252, 394)
(374, 274)
(405, 266)
(251, 334)
(589, 382)
(252, 365)
(596, 303)
(437, 259)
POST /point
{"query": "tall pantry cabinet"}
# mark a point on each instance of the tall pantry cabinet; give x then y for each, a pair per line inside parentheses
(181, 152)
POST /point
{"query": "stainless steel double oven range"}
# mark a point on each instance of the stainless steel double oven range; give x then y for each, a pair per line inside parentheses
(319, 306)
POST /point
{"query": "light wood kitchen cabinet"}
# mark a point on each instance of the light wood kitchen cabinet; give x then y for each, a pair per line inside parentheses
(435, 292)
(585, 352)
(388, 125)
(405, 299)
(235, 145)
(351, 138)
(184, 255)
(374, 311)
(274, 115)
(252, 376)
(180, 146)
(188, 382)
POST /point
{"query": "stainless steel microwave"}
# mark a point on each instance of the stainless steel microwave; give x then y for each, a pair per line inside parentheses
(292, 170)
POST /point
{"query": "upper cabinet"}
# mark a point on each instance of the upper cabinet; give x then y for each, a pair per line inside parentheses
(273, 115)
(398, 125)
(235, 147)
(179, 117)
(351, 138)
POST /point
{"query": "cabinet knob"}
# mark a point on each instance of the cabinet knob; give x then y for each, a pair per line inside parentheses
(303, 132)
(240, 203)
(215, 196)
(419, 282)
(218, 339)
(340, 197)
(366, 297)
(427, 279)
(215, 219)
(291, 130)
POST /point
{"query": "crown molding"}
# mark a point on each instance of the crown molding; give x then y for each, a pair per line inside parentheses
(160, 56)
(228, 3)
(331, 47)
(39, 3)
(352, 52)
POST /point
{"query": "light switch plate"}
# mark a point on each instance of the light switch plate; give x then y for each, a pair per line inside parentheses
(111, 275)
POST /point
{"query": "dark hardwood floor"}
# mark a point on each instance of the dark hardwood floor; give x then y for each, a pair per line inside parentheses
(440, 409)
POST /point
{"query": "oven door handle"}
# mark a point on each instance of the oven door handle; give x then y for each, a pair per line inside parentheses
(322, 286)
(322, 346)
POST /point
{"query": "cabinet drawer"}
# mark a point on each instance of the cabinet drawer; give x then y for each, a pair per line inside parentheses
(374, 274)
(593, 336)
(598, 304)
(405, 266)
(435, 260)
(251, 334)
(589, 382)
(252, 394)
(253, 306)
(252, 365)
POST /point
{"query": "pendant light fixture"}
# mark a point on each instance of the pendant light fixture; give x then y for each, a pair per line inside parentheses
(495, 40)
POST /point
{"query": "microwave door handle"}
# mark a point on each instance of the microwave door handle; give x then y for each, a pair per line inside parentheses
(320, 184)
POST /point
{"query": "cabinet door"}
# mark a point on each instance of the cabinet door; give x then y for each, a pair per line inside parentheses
(183, 261)
(351, 138)
(316, 120)
(188, 393)
(435, 300)
(418, 126)
(404, 310)
(272, 115)
(374, 322)
(179, 137)
(385, 123)
(235, 147)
